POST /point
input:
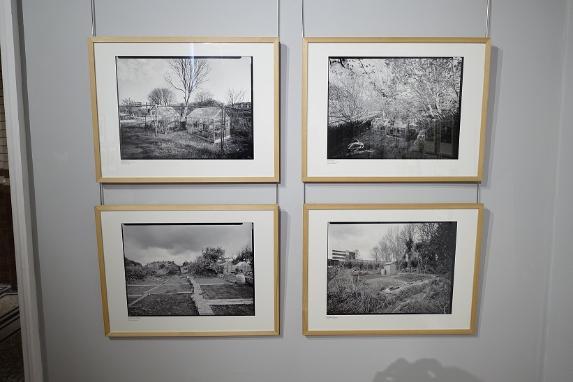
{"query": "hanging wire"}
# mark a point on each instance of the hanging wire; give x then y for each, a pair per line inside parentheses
(93, 14)
(302, 17)
(487, 17)
(93, 32)
(303, 35)
(101, 195)
(278, 18)
(278, 36)
(487, 32)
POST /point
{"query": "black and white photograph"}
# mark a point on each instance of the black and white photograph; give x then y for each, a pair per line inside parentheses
(390, 268)
(189, 269)
(185, 107)
(394, 107)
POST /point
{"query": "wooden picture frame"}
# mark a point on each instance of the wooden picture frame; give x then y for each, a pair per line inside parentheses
(395, 297)
(189, 270)
(221, 126)
(377, 130)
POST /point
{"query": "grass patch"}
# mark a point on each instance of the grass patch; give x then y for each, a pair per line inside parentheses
(234, 310)
(399, 294)
(137, 290)
(164, 305)
(142, 143)
(212, 292)
(174, 288)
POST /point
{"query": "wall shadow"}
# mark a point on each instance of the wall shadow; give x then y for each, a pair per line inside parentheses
(493, 101)
(423, 370)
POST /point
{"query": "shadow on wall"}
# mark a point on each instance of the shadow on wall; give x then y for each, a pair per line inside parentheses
(423, 370)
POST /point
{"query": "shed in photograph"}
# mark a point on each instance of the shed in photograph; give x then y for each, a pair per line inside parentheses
(208, 122)
(390, 268)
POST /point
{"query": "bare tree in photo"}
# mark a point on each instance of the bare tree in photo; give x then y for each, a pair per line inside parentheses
(161, 97)
(128, 104)
(235, 96)
(347, 98)
(203, 96)
(186, 75)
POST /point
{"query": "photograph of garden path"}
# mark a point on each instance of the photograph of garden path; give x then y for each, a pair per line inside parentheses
(390, 268)
(188, 107)
(394, 107)
(189, 269)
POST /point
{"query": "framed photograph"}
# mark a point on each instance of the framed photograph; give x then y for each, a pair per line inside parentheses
(391, 268)
(185, 109)
(394, 109)
(190, 270)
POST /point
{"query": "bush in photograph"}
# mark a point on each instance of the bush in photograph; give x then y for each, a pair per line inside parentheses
(431, 296)
(134, 270)
(209, 263)
(347, 297)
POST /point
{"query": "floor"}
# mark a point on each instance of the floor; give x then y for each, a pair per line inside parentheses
(11, 366)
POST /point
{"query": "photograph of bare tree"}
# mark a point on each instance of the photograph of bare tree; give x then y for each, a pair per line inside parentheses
(189, 107)
(390, 268)
(394, 107)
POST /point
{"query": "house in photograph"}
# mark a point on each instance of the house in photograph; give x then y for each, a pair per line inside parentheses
(207, 123)
(342, 256)
(241, 105)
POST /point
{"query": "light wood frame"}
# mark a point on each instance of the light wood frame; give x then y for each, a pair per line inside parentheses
(405, 179)
(198, 39)
(188, 207)
(472, 330)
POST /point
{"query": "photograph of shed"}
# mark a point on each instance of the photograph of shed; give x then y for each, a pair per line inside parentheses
(390, 268)
(211, 123)
(187, 107)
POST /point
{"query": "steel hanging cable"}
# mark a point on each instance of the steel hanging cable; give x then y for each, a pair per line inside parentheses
(487, 32)
(93, 15)
(278, 36)
(278, 18)
(303, 35)
(93, 33)
(302, 18)
(487, 17)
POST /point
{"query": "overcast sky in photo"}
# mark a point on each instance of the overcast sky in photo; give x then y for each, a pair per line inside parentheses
(137, 77)
(179, 243)
(359, 236)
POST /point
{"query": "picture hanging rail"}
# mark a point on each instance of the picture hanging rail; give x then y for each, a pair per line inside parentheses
(394, 109)
(185, 109)
(189, 270)
(391, 268)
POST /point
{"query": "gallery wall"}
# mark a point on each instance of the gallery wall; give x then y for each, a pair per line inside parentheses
(558, 352)
(527, 181)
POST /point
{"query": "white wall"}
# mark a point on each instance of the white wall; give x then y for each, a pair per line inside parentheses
(519, 193)
(558, 365)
